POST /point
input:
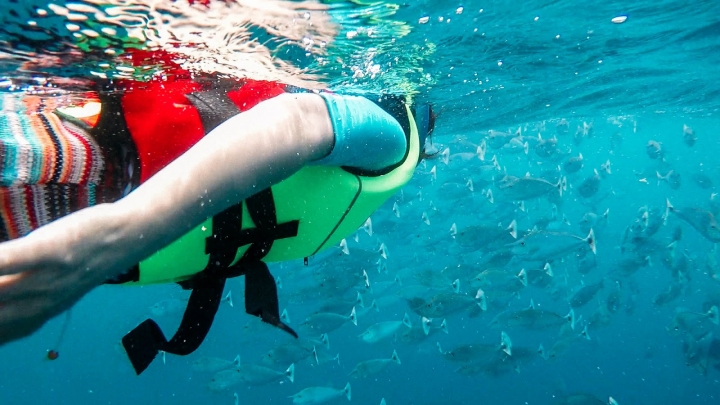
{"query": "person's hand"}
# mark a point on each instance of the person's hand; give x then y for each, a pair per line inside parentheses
(46, 272)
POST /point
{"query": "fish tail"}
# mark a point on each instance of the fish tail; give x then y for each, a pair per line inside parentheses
(353, 317)
(347, 391)
(668, 207)
(571, 318)
(505, 343)
(284, 316)
(395, 357)
(522, 276)
(317, 360)
(561, 185)
(548, 270)
(512, 229)
(359, 300)
(228, 298)
(591, 241)
(481, 299)
(444, 327)
(426, 325)
(290, 372)
(585, 333)
(541, 352)
(406, 320)
(481, 150)
(440, 348)
(713, 315)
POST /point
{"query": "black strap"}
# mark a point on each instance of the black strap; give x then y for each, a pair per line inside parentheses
(143, 343)
(261, 296)
(214, 108)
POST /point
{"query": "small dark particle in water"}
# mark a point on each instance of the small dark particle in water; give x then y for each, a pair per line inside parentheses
(53, 354)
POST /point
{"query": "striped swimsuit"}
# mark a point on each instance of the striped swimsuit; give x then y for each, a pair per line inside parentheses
(48, 167)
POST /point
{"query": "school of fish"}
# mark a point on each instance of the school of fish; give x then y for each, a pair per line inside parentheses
(510, 233)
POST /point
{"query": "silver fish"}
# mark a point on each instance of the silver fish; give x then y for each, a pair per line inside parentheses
(445, 304)
(291, 352)
(672, 178)
(545, 147)
(590, 186)
(482, 236)
(528, 188)
(544, 246)
(500, 281)
(327, 322)
(497, 139)
(689, 136)
(583, 399)
(567, 339)
(654, 150)
(573, 164)
(477, 352)
(585, 294)
(367, 368)
(213, 364)
(318, 395)
(249, 374)
(421, 331)
(696, 324)
(383, 330)
(668, 295)
(703, 221)
(322, 356)
(532, 318)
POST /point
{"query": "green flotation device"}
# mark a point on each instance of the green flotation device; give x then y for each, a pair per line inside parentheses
(310, 211)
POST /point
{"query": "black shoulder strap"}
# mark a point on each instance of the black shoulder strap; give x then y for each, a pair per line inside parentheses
(214, 108)
(144, 342)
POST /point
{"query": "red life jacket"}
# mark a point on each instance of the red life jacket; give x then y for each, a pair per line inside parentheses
(162, 121)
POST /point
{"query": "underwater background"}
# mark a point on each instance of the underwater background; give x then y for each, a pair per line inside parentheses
(520, 89)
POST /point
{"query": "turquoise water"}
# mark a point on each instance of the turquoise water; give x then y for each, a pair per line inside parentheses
(494, 66)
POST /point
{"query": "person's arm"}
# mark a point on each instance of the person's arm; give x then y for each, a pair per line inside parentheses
(45, 272)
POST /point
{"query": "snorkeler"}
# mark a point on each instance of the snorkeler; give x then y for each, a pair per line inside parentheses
(187, 180)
